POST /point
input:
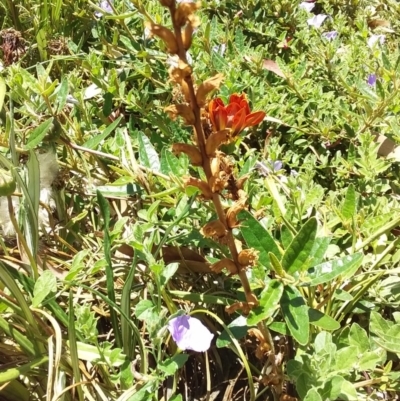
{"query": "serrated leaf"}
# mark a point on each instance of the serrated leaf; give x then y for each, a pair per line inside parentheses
(295, 313)
(297, 256)
(45, 285)
(327, 271)
(148, 156)
(92, 143)
(269, 302)
(317, 318)
(349, 206)
(37, 135)
(359, 338)
(257, 237)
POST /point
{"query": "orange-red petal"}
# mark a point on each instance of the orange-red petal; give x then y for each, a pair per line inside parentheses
(239, 122)
(254, 118)
(220, 118)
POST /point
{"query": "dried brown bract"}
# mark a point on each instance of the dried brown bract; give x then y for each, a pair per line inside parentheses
(226, 263)
(184, 13)
(207, 87)
(166, 35)
(201, 185)
(248, 257)
(190, 150)
(215, 140)
(181, 110)
(214, 229)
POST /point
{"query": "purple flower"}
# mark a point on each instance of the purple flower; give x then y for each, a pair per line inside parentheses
(330, 35)
(317, 20)
(269, 166)
(374, 39)
(371, 81)
(305, 5)
(190, 334)
(105, 6)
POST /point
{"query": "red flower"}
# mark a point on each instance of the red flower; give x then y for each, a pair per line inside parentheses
(235, 115)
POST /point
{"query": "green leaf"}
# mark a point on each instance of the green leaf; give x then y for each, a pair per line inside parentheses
(297, 256)
(318, 250)
(317, 318)
(279, 327)
(171, 365)
(313, 395)
(62, 94)
(323, 344)
(295, 313)
(37, 135)
(371, 359)
(45, 285)
(327, 271)
(359, 337)
(2, 92)
(286, 236)
(346, 358)
(257, 237)
(148, 156)
(269, 302)
(168, 272)
(238, 328)
(143, 308)
(92, 143)
(349, 206)
(339, 388)
(170, 164)
(276, 265)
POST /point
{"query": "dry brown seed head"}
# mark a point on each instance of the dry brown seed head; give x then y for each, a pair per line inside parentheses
(201, 185)
(248, 257)
(233, 211)
(214, 229)
(224, 263)
(207, 87)
(190, 150)
(182, 110)
(165, 35)
(184, 13)
(218, 182)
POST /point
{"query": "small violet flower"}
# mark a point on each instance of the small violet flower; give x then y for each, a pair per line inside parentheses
(371, 81)
(330, 35)
(317, 20)
(305, 5)
(374, 39)
(190, 334)
(105, 6)
(269, 166)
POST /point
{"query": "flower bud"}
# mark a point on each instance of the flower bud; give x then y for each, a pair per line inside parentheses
(190, 150)
(201, 185)
(7, 183)
(224, 263)
(165, 35)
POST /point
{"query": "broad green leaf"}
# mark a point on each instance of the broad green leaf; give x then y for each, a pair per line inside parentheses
(371, 359)
(389, 340)
(338, 388)
(257, 237)
(359, 337)
(148, 156)
(317, 318)
(168, 272)
(313, 395)
(45, 285)
(279, 327)
(286, 236)
(323, 344)
(378, 324)
(2, 92)
(176, 397)
(37, 135)
(294, 369)
(318, 250)
(303, 384)
(349, 206)
(269, 302)
(238, 328)
(327, 271)
(171, 164)
(346, 358)
(171, 365)
(295, 313)
(92, 143)
(143, 308)
(297, 256)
